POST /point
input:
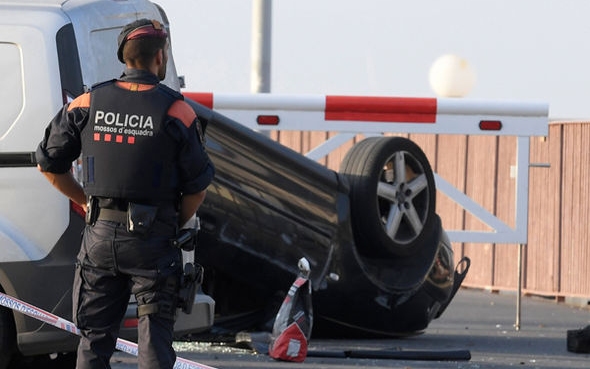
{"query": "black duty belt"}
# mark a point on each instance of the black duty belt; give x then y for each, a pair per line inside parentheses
(112, 215)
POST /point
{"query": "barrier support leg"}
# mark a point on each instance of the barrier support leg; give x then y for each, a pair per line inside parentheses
(519, 287)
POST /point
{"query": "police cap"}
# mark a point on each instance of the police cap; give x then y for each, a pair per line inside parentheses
(140, 28)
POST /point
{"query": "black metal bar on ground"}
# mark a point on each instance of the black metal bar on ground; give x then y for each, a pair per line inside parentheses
(447, 355)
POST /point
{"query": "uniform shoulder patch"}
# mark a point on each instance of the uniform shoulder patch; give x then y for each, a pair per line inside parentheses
(183, 112)
(82, 101)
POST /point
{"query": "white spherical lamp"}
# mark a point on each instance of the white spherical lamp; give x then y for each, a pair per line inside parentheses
(451, 76)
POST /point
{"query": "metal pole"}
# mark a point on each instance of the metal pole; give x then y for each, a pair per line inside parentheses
(519, 287)
(261, 44)
(523, 160)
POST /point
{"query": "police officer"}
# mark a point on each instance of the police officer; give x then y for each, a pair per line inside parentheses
(145, 173)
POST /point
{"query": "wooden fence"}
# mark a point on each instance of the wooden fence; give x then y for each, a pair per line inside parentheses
(556, 260)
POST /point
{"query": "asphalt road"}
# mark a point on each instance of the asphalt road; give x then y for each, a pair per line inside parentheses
(479, 322)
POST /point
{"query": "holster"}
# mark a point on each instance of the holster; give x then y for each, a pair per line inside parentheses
(192, 278)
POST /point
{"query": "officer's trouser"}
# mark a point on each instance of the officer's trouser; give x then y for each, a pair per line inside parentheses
(113, 263)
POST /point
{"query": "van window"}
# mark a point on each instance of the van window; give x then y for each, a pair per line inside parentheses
(11, 89)
(69, 63)
(104, 48)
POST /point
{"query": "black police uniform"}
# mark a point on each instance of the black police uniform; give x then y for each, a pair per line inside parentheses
(134, 151)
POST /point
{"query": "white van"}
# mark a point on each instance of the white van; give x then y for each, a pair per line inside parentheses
(50, 52)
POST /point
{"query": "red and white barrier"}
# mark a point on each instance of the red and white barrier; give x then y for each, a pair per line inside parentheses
(377, 114)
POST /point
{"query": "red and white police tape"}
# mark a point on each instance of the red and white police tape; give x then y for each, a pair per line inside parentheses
(54, 320)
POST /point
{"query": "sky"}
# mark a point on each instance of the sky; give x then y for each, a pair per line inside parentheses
(523, 50)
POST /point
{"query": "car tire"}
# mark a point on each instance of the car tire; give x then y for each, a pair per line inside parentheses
(392, 195)
(7, 337)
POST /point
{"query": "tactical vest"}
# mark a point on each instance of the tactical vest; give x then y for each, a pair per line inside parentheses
(126, 151)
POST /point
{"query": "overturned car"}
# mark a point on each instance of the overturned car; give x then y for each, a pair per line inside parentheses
(381, 263)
